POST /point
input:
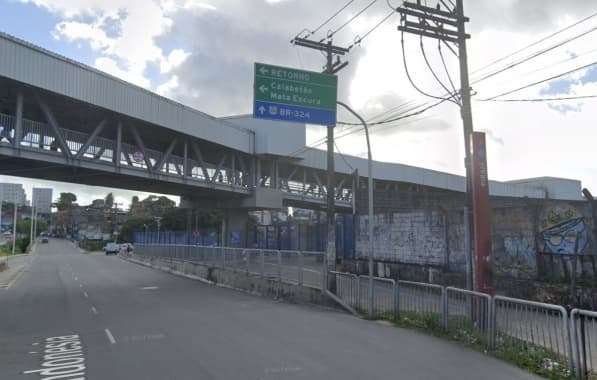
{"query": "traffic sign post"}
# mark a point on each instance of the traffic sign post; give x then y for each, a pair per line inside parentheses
(282, 93)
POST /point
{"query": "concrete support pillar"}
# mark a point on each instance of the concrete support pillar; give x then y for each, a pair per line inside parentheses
(18, 133)
(234, 228)
(258, 172)
(185, 160)
(118, 151)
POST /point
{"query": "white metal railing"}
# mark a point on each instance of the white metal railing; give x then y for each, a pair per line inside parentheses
(497, 322)
(583, 330)
(297, 267)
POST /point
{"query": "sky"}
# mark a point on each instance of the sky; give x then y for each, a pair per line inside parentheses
(201, 53)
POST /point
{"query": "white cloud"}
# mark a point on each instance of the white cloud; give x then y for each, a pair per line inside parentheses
(111, 67)
(174, 59)
(74, 30)
(140, 23)
(166, 88)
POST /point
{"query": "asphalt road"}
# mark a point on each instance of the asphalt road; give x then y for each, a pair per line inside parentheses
(119, 320)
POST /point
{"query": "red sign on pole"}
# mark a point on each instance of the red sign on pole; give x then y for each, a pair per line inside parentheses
(481, 216)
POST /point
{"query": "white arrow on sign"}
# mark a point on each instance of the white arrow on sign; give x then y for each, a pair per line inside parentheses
(261, 110)
(263, 70)
(262, 88)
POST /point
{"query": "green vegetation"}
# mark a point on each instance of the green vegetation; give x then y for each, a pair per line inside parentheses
(24, 227)
(20, 247)
(65, 201)
(92, 245)
(109, 200)
(528, 356)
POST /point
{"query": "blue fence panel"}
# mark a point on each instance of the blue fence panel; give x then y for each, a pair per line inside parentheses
(206, 237)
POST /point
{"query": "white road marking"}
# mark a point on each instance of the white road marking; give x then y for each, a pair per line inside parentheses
(33, 352)
(143, 338)
(150, 288)
(35, 344)
(76, 279)
(94, 310)
(80, 285)
(110, 336)
(85, 295)
(63, 358)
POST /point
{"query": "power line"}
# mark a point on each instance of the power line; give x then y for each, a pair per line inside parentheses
(409, 77)
(404, 116)
(331, 34)
(342, 156)
(453, 94)
(330, 18)
(441, 55)
(357, 127)
(540, 81)
(359, 39)
(534, 55)
(536, 42)
(576, 97)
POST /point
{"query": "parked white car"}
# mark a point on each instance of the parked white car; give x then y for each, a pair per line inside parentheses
(111, 248)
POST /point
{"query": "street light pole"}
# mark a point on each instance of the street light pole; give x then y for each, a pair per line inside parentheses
(369, 205)
(14, 229)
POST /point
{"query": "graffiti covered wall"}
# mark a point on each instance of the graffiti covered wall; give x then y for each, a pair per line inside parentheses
(563, 231)
(513, 241)
(409, 237)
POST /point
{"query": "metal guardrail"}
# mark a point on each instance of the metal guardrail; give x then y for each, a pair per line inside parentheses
(538, 324)
(420, 298)
(385, 295)
(583, 329)
(476, 318)
(297, 267)
(468, 314)
(347, 287)
(497, 322)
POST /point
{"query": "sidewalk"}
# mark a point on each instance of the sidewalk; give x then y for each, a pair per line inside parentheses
(10, 274)
(16, 266)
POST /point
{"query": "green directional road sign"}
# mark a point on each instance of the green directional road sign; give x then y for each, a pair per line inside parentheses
(283, 93)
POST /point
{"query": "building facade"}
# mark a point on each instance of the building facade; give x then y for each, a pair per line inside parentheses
(42, 200)
(13, 193)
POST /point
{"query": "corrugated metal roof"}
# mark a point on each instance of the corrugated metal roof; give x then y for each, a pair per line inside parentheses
(35, 66)
(404, 173)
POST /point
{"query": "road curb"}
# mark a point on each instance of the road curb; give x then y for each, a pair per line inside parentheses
(12, 278)
(189, 276)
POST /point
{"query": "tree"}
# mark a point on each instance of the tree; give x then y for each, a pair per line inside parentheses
(134, 200)
(155, 205)
(136, 224)
(24, 227)
(109, 200)
(65, 201)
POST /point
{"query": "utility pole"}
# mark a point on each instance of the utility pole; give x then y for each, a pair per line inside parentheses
(331, 67)
(449, 27)
(14, 228)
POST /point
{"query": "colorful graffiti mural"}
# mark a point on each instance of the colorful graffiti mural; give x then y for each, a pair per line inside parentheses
(563, 232)
(514, 256)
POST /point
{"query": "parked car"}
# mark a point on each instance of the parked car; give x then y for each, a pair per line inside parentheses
(44, 240)
(111, 248)
(126, 247)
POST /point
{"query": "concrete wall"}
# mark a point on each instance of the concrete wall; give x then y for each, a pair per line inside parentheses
(239, 280)
(421, 226)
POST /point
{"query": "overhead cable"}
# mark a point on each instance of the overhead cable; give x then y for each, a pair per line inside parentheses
(331, 34)
(330, 18)
(535, 43)
(534, 55)
(541, 81)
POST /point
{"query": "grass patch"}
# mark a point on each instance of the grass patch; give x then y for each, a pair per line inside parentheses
(20, 247)
(92, 245)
